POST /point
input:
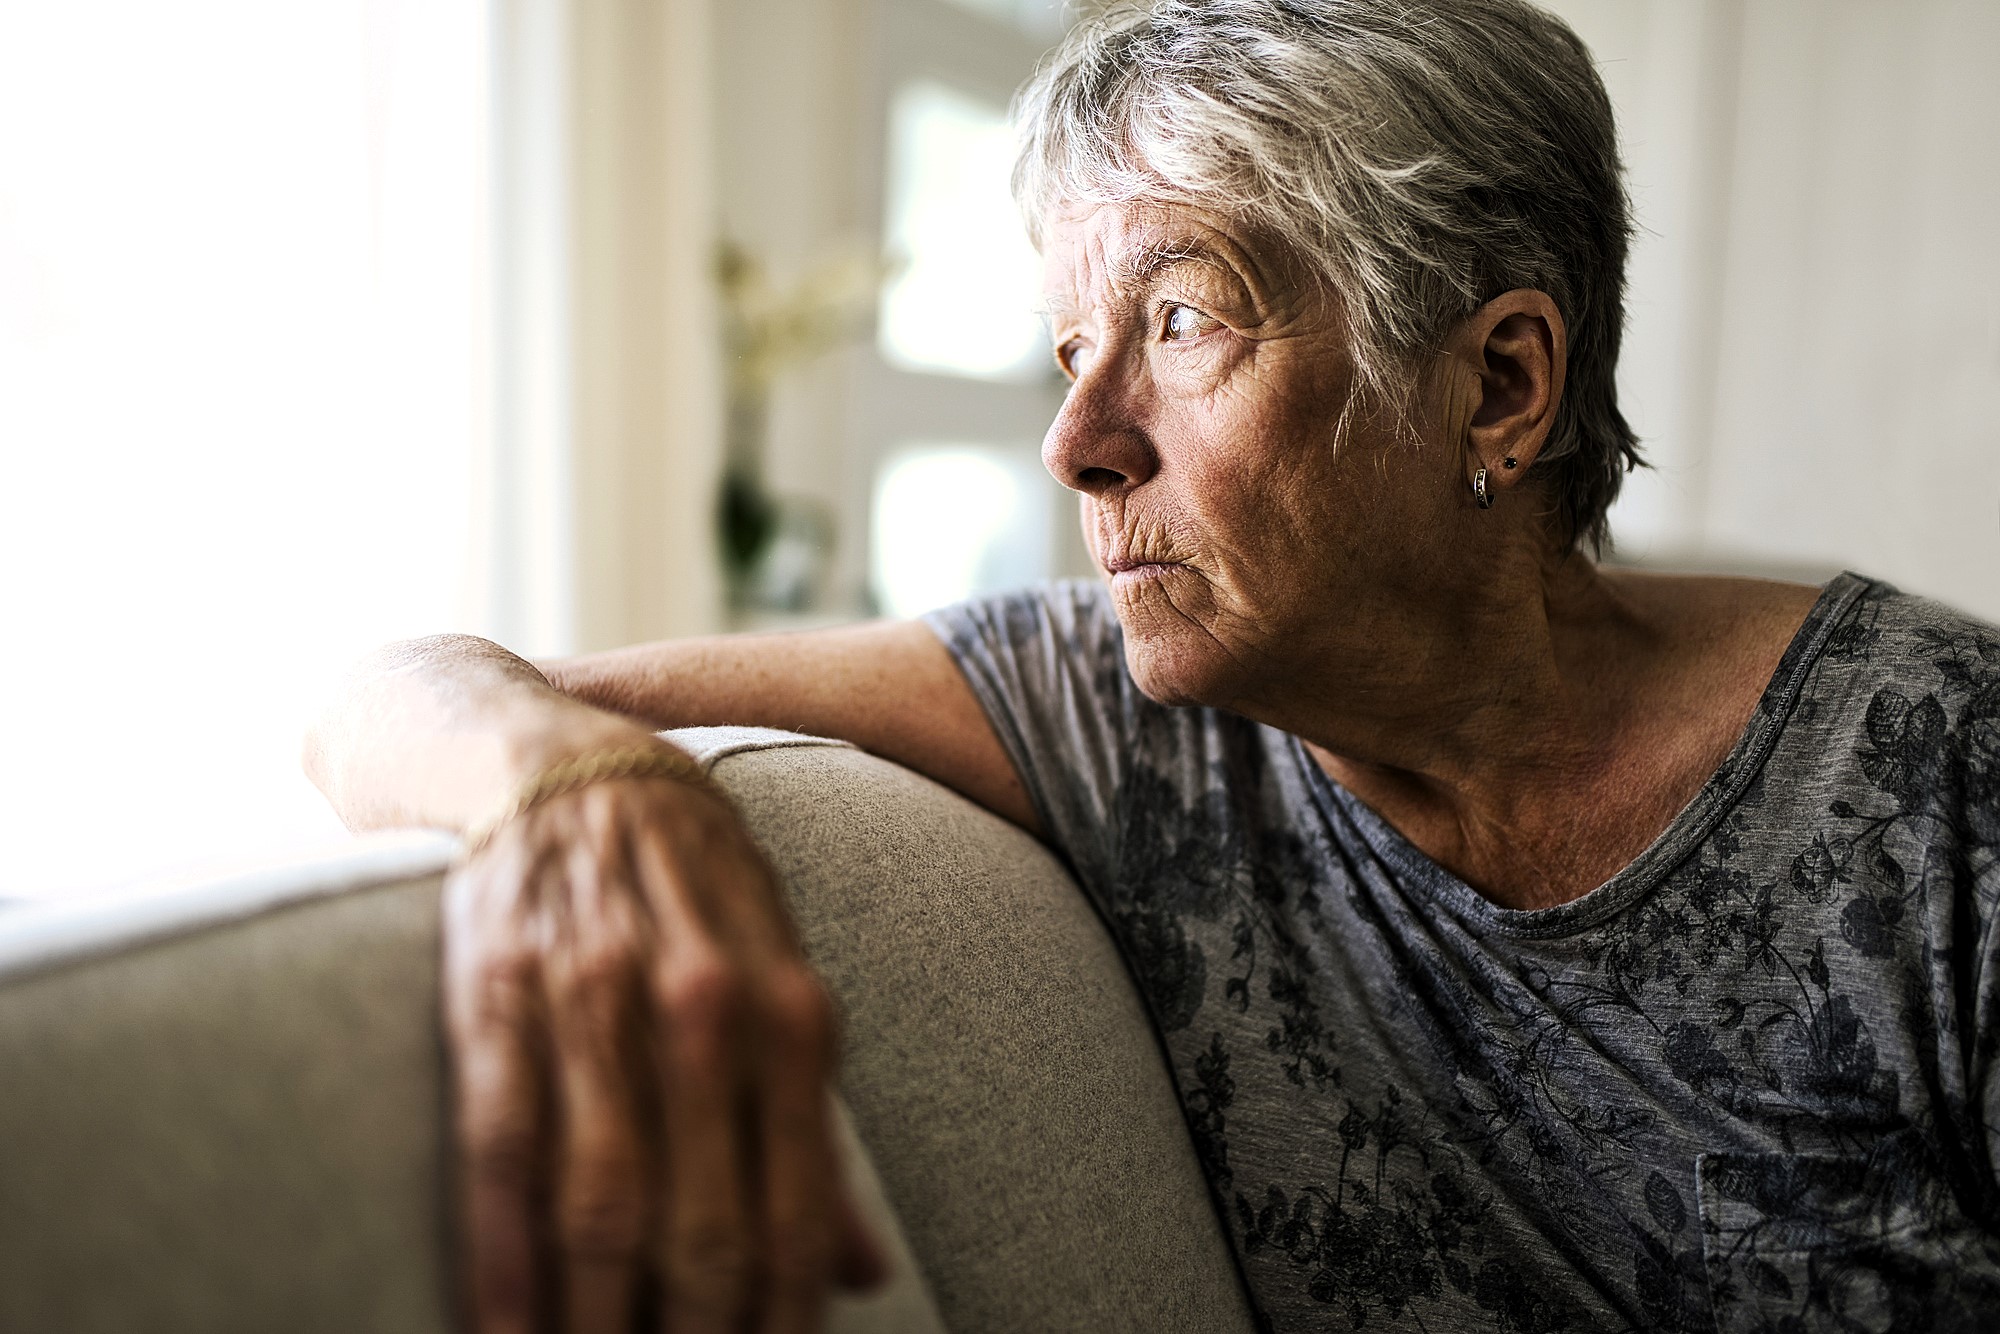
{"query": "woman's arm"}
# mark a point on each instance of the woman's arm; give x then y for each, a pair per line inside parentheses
(888, 686)
(438, 731)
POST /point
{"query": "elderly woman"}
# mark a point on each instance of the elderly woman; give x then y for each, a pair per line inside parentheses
(1536, 945)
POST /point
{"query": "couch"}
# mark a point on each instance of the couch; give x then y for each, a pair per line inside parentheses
(222, 1108)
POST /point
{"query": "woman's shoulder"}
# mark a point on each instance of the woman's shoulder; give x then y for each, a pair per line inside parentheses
(1898, 696)
(1063, 618)
(1855, 663)
(1851, 618)
(1919, 674)
(1887, 639)
(1924, 619)
(1858, 638)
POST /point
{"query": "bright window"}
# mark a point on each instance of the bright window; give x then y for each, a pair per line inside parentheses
(241, 265)
(965, 299)
(955, 521)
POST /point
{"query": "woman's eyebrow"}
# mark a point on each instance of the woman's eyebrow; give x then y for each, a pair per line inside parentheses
(1056, 310)
(1142, 267)
(1149, 261)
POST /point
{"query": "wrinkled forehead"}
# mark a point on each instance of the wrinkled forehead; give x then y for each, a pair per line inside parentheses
(1093, 255)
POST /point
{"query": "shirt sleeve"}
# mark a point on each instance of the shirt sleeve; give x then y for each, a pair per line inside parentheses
(1048, 666)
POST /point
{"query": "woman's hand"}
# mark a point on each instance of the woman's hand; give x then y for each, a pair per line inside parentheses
(641, 1063)
(640, 1055)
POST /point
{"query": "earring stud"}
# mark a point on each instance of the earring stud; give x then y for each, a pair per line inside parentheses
(1507, 462)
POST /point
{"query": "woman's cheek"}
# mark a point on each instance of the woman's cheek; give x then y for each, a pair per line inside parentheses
(1200, 375)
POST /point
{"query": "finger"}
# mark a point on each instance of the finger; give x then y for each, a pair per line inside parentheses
(750, 918)
(704, 1234)
(603, 1196)
(859, 1262)
(490, 987)
(800, 1180)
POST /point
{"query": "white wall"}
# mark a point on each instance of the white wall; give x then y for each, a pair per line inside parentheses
(1813, 351)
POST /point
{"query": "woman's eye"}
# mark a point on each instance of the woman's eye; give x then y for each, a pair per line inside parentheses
(1185, 324)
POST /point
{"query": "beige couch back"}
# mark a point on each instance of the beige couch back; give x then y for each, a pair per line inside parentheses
(222, 1110)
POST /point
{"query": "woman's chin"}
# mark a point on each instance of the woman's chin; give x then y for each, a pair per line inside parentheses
(1162, 680)
(1172, 658)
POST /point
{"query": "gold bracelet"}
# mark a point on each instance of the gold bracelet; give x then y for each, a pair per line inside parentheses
(595, 766)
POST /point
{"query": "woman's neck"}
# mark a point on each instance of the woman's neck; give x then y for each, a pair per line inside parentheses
(1534, 738)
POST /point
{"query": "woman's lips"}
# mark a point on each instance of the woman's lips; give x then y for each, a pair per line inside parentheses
(1137, 569)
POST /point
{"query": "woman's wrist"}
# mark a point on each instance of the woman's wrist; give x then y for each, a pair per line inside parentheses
(441, 731)
(649, 759)
(561, 731)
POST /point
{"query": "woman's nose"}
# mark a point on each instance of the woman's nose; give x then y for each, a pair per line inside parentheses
(1096, 444)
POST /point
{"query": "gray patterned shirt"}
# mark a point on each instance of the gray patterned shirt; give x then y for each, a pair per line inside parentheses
(1747, 1084)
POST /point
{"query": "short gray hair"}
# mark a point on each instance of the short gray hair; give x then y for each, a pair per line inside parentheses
(1420, 156)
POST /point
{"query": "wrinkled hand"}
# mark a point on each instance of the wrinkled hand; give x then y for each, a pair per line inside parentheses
(641, 1063)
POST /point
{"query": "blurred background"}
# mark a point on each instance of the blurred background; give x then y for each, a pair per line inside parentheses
(581, 322)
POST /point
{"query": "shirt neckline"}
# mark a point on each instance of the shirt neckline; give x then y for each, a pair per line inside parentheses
(1683, 834)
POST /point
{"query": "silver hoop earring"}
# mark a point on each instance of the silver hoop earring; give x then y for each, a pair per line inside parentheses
(1479, 491)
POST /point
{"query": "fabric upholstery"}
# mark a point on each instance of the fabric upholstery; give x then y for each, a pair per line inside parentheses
(1002, 1072)
(222, 1110)
(233, 1128)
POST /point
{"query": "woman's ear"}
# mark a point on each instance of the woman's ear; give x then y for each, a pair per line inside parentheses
(1515, 347)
